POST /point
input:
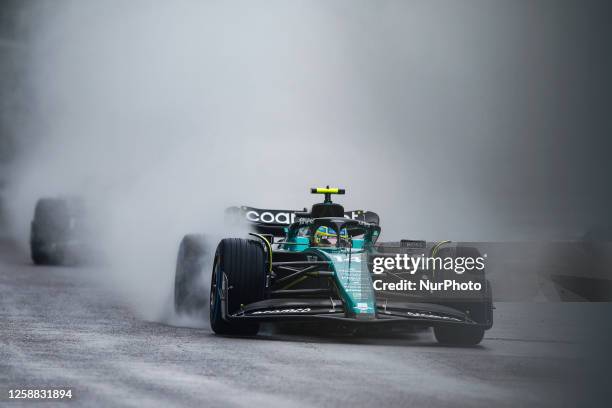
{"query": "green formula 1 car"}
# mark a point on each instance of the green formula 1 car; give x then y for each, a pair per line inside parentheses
(318, 266)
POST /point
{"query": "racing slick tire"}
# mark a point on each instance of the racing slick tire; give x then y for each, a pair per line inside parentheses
(243, 261)
(481, 309)
(50, 225)
(459, 336)
(189, 289)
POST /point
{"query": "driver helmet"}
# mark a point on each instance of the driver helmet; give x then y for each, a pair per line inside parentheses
(326, 236)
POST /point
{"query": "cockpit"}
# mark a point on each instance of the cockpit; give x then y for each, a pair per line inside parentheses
(332, 233)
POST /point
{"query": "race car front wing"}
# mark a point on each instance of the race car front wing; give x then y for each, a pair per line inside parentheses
(333, 310)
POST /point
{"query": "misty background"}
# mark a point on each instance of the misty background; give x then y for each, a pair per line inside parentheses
(471, 120)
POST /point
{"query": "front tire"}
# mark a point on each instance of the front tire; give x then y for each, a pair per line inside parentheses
(189, 289)
(243, 262)
(459, 336)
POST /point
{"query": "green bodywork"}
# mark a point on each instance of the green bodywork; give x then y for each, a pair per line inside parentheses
(351, 273)
(353, 279)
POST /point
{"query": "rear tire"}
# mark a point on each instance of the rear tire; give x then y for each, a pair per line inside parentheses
(244, 263)
(459, 336)
(189, 289)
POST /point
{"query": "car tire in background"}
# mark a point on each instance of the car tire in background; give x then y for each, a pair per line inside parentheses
(189, 284)
(243, 261)
(51, 224)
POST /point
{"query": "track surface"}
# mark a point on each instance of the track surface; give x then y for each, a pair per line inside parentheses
(60, 329)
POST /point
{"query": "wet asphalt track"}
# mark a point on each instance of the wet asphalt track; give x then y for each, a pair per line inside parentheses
(59, 329)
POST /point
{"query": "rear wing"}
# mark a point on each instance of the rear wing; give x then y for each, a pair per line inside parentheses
(274, 222)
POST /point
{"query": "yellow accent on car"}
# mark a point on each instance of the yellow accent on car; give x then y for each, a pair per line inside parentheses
(295, 282)
(434, 253)
(328, 232)
(267, 244)
(324, 190)
(436, 248)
